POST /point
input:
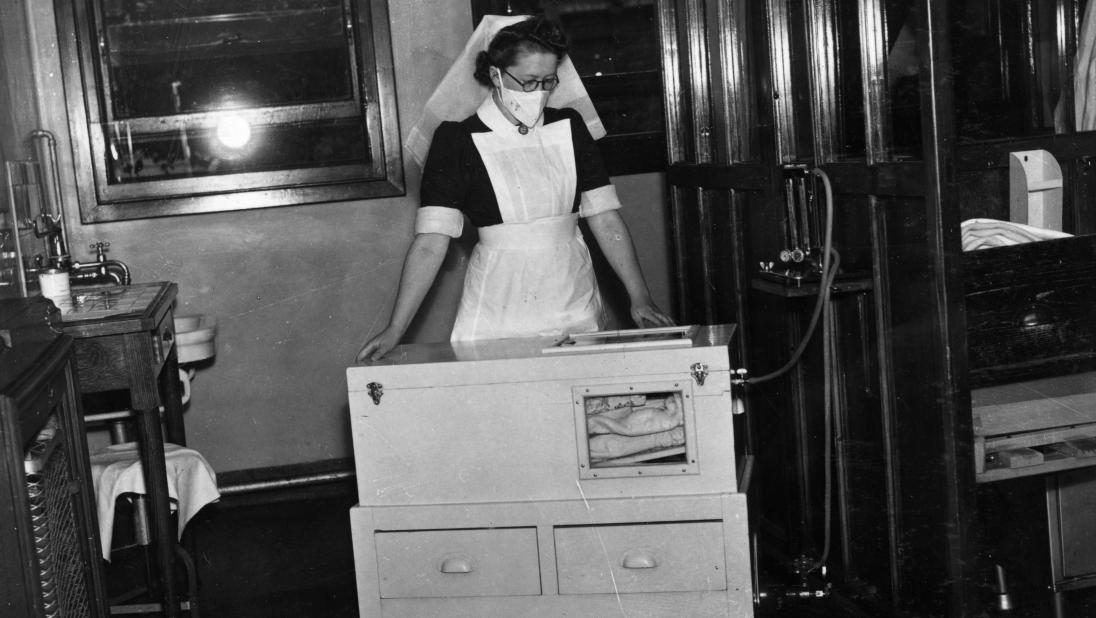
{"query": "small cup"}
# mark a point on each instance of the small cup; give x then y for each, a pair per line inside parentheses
(54, 285)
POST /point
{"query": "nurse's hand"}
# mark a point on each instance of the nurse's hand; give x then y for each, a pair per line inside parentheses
(378, 346)
(647, 315)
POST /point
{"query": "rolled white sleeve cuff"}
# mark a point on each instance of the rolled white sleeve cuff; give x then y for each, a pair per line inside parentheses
(599, 200)
(439, 220)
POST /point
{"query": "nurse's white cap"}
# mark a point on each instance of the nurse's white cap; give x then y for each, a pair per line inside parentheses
(459, 94)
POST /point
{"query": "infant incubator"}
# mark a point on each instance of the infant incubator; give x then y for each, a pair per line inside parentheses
(548, 476)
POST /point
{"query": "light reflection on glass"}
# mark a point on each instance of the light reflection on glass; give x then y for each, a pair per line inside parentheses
(234, 132)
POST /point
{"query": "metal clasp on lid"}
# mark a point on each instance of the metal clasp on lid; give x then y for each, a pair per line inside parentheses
(376, 389)
(700, 373)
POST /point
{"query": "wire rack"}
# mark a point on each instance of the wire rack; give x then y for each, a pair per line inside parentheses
(56, 533)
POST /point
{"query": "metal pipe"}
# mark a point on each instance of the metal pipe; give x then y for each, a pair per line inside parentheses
(56, 202)
(113, 270)
(122, 278)
(297, 481)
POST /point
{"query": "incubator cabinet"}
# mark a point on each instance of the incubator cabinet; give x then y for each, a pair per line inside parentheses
(551, 476)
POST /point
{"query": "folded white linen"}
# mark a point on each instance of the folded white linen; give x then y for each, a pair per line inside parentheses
(638, 421)
(116, 470)
(611, 445)
(986, 233)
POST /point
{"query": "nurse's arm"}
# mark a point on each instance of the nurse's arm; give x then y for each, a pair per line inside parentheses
(616, 243)
(424, 258)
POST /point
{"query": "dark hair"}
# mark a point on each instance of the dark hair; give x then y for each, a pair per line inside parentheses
(536, 34)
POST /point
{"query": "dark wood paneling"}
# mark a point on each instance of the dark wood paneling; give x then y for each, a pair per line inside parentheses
(1031, 310)
(890, 179)
(986, 155)
(742, 177)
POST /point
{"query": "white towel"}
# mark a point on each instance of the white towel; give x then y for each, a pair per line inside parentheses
(116, 470)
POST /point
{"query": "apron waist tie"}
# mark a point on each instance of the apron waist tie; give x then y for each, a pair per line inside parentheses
(538, 234)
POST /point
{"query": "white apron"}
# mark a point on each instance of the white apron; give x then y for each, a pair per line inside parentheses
(530, 275)
(529, 279)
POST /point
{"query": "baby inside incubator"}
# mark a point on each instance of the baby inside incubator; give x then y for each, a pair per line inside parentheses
(619, 426)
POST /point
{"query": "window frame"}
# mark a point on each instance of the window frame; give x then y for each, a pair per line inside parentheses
(87, 95)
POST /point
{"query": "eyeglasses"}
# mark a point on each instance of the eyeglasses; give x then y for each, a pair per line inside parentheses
(548, 83)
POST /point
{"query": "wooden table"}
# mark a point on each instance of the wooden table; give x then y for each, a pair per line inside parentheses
(125, 340)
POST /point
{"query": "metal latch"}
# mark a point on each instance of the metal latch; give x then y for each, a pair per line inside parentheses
(376, 389)
(700, 373)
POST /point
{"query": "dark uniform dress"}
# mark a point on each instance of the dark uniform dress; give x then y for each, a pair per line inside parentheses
(530, 274)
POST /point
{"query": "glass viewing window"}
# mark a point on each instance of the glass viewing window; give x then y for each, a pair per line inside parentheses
(635, 430)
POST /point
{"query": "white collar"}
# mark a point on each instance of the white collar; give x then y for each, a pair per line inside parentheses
(495, 120)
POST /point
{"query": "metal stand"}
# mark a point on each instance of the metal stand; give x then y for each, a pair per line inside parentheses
(1071, 498)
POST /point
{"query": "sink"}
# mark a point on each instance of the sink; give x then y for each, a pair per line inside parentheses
(195, 337)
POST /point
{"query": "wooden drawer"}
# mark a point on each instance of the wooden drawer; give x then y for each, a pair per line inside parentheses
(674, 557)
(1030, 310)
(458, 563)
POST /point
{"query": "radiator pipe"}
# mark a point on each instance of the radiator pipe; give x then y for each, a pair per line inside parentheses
(296, 481)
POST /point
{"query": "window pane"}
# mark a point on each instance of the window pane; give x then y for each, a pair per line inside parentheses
(187, 106)
(169, 57)
(903, 80)
(231, 147)
(612, 37)
(613, 48)
(628, 103)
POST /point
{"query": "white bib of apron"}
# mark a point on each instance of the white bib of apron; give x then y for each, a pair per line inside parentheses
(530, 275)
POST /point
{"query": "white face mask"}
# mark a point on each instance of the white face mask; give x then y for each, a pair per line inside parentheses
(525, 106)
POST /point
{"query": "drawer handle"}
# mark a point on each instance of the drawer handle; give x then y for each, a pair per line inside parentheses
(457, 564)
(639, 559)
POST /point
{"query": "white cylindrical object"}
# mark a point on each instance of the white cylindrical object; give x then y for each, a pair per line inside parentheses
(54, 285)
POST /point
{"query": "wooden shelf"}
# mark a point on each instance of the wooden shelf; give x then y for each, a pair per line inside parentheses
(1034, 428)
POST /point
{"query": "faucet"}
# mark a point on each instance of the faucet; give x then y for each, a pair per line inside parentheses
(101, 269)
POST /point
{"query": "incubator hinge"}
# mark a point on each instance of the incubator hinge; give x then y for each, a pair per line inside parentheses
(700, 373)
(376, 389)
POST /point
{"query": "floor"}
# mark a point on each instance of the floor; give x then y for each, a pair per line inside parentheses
(290, 558)
(266, 555)
(288, 554)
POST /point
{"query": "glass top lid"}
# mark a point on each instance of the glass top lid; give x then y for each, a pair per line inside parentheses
(666, 336)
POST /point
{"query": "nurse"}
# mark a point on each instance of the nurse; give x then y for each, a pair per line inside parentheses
(522, 173)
